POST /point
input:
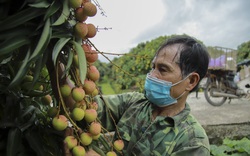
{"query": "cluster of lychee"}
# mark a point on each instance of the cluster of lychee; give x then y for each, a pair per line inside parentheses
(75, 98)
(78, 99)
(83, 10)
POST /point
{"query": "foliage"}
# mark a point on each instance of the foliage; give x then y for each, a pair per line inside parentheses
(243, 51)
(107, 89)
(36, 38)
(232, 147)
(24, 124)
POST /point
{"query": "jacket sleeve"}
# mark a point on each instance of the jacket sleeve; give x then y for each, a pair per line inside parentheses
(194, 151)
(112, 107)
(195, 142)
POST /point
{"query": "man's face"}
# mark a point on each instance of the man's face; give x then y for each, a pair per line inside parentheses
(165, 67)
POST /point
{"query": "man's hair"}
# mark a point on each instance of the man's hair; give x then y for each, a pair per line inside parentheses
(193, 56)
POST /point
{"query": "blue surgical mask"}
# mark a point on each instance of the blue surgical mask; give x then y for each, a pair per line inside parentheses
(158, 91)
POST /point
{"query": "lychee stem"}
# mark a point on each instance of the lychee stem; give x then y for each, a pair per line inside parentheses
(61, 103)
(110, 60)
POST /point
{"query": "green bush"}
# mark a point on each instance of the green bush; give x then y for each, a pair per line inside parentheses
(232, 148)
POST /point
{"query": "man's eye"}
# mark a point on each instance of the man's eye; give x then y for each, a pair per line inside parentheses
(162, 69)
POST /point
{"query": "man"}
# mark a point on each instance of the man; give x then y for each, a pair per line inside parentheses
(159, 121)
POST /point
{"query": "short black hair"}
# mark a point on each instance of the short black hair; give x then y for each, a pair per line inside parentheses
(193, 56)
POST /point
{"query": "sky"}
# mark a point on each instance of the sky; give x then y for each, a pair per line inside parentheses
(127, 23)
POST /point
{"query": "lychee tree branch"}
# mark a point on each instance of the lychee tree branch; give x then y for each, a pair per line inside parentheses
(110, 60)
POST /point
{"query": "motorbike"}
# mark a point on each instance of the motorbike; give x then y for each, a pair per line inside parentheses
(220, 86)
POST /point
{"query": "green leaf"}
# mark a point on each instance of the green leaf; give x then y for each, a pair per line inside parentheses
(61, 34)
(40, 4)
(55, 6)
(40, 63)
(21, 72)
(43, 41)
(14, 140)
(34, 141)
(219, 150)
(28, 123)
(64, 15)
(20, 18)
(70, 60)
(16, 32)
(243, 145)
(27, 110)
(229, 143)
(38, 93)
(8, 46)
(58, 47)
(82, 60)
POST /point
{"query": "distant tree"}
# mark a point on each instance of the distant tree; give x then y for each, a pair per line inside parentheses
(243, 51)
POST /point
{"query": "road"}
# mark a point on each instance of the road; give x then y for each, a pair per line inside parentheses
(237, 111)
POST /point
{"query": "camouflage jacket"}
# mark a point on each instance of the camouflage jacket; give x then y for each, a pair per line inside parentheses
(180, 135)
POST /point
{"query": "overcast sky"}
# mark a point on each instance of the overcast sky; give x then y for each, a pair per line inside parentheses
(223, 23)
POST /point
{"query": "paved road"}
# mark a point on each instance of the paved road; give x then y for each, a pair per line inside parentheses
(238, 111)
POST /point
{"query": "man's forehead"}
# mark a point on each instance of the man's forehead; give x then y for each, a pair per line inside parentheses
(169, 54)
(174, 48)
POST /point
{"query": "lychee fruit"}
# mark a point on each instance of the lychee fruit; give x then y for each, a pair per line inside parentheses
(89, 86)
(93, 73)
(75, 3)
(89, 9)
(78, 114)
(65, 90)
(95, 92)
(91, 30)
(90, 115)
(91, 56)
(71, 141)
(78, 151)
(78, 94)
(95, 128)
(86, 48)
(46, 100)
(111, 153)
(81, 104)
(86, 138)
(81, 30)
(119, 145)
(28, 78)
(76, 61)
(52, 112)
(60, 122)
(96, 137)
(94, 105)
(40, 87)
(80, 16)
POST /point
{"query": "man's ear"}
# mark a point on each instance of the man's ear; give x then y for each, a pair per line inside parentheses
(194, 78)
